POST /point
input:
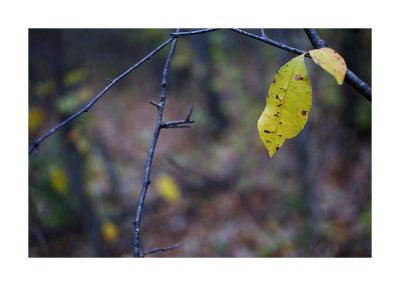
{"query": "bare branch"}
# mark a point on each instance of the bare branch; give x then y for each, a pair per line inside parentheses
(270, 41)
(162, 249)
(189, 115)
(196, 32)
(263, 33)
(151, 150)
(179, 123)
(362, 87)
(315, 39)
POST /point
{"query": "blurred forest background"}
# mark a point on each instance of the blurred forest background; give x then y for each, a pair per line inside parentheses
(214, 189)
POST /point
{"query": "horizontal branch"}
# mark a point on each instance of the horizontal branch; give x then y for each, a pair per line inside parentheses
(179, 123)
(195, 32)
(270, 41)
(162, 249)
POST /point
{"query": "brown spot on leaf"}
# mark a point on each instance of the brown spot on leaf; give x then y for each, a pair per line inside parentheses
(304, 113)
(277, 97)
(298, 77)
(279, 105)
(273, 81)
(277, 148)
(279, 135)
(266, 131)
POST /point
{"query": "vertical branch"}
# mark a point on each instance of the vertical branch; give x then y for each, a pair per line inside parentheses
(150, 152)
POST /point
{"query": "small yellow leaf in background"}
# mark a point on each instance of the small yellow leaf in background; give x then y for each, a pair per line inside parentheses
(330, 61)
(168, 188)
(44, 88)
(58, 180)
(288, 105)
(109, 231)
(36, 116)
(75, 76)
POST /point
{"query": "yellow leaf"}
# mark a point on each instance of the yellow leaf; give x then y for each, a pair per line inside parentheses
(288, 105)
(58, 180)
(36, 116)
(167, 188)
(75, 76)
(109, 231)
(330, 61)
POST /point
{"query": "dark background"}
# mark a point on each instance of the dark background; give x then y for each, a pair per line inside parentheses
(214, 190)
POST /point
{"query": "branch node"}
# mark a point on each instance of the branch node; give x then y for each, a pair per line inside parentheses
(179, 123)
(189, 115)
(155, 104)
(263, 33)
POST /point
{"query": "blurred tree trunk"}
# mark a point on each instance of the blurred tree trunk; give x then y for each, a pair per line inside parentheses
(73, 159)
(217, 117)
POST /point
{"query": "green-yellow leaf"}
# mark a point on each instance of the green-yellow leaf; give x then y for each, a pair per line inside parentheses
(58, 179)
(330, 61)
(109, 231)
(168, 188)
(36, 117)
(288, 105)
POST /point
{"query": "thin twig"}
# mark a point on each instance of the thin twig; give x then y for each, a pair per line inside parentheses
(362, 87)
(86, 108)
(270, 41)
(263, 33)
(155, 104)
(162, 249)
(189, 114)
(179, 123)
(150, 152)
(196, 32)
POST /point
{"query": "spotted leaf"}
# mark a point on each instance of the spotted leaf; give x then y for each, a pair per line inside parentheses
(288, 105)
